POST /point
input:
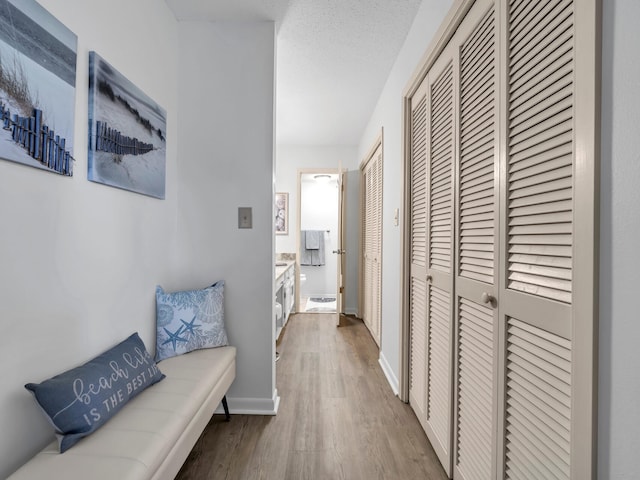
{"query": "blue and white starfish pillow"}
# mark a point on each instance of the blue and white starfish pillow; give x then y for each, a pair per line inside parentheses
(189, 320)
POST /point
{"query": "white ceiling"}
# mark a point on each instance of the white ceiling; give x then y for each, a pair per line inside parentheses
(333, 58)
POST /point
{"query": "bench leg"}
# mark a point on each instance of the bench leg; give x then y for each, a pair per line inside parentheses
(226, 408)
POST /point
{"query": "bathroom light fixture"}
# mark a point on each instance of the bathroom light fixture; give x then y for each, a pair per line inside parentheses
(322, 178)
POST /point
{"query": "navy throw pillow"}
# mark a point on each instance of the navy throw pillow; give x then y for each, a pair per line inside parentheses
(79, 401)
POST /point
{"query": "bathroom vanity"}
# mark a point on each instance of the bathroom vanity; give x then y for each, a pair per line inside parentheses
(285, 293)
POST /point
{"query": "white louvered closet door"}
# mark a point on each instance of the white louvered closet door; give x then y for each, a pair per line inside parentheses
(417, 284)
(372, 244)
(367, 244)
(476, 282)
(503, 239)
(377, 319)
(539, 214)
(374, 320)
(440, 255)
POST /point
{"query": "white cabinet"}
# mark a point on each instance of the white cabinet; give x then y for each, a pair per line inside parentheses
(285, 294)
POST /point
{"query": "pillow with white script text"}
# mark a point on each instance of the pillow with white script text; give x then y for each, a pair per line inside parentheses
(79, 401)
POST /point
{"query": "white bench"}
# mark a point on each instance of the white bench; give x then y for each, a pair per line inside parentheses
(151, 437)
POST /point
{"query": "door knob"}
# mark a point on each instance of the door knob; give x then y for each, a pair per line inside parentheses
(487, 298)
(429, 278)
(339, 251)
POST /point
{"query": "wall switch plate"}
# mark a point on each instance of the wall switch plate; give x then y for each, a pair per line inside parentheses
(245, 217)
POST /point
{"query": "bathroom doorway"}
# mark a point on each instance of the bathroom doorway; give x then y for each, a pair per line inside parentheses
(320, 250)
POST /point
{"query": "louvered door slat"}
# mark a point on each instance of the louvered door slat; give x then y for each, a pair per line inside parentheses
(418, 314)
(477, 133)
(478, 88)
(479, 179)
(477, 173)
(540, 120)
(440, 171)
(538, 393)
(552, 64)
(542, 174)
(520, 10)
(478, 276)
(552, 226)
(480, 255)
(477, 215)
(475, 390)
(533, 169)
(438, 361)
(476, 160)
(418, 222)
(476, 204)
(473, 186)
(531, 410)
(538, 375)
(538, 26)
(540, 126)
(481, 104)
(541, 203)
(550, 155)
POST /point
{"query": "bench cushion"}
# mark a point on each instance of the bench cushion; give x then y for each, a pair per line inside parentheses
(152, 435)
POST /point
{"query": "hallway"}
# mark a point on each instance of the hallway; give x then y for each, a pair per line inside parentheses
(338, 418)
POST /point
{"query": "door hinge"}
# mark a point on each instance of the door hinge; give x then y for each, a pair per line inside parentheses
(341, 289)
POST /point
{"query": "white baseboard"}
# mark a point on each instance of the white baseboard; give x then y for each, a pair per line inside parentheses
(388, 372)
(252, 406)
(351, 311)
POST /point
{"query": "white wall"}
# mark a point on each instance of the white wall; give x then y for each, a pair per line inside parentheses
(226, 161)
(388, 114)
(291, 158)
(619, 378)
(79, 261)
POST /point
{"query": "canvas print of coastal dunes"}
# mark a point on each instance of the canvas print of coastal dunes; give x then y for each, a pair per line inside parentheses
(37, 87)
(127, 133)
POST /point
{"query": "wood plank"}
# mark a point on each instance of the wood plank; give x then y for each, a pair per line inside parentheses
(338, 417)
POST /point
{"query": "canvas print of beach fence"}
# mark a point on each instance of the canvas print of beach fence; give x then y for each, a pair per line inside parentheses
(127, 133)
(37, 87)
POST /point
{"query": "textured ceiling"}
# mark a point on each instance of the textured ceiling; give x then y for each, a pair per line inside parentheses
(333, 57)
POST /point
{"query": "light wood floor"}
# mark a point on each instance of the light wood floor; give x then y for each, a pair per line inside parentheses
(338, 418)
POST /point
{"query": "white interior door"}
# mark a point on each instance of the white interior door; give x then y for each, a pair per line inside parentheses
(321, 208)
(341, 251)
(371, 178)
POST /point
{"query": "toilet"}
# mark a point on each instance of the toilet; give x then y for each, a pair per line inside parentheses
(278, 312)
(303, 279)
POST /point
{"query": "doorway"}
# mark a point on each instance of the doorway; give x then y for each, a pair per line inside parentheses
(319, 244)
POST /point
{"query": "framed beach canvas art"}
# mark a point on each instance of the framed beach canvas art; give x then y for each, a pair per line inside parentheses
(282, 213)
(127, 133)
(37, 87)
